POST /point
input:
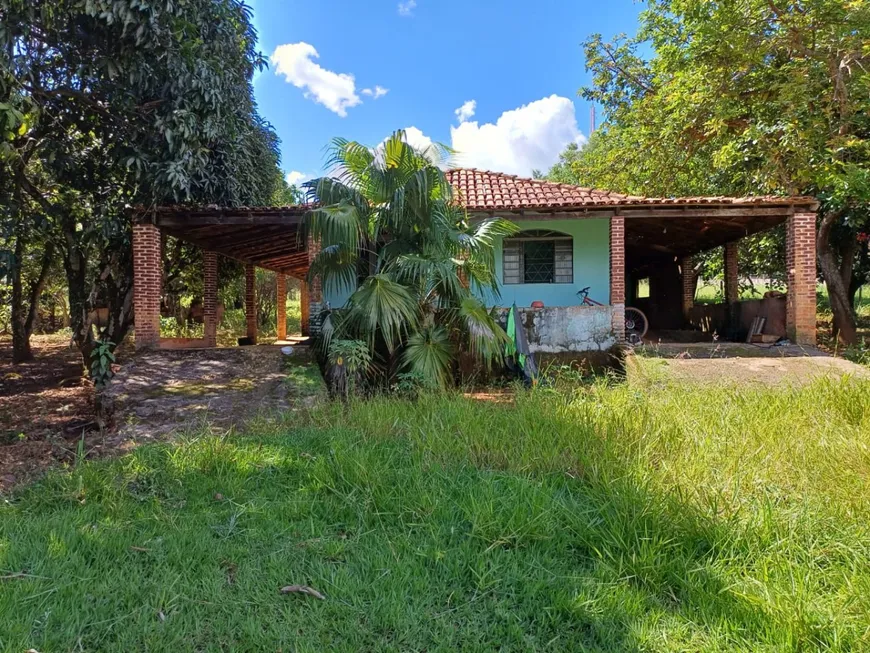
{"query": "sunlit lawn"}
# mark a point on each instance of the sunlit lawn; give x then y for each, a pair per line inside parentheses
(639, 516)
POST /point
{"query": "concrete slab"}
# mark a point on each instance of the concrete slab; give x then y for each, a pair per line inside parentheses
(741, 363)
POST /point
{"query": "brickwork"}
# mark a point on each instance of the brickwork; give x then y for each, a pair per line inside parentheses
(251, 301)
(147, 283)
(312, 295)
(687, 269)
(617, 276)
(732, 285)
(209, 297)
(305, 319)
(281, 305)
(800, 253)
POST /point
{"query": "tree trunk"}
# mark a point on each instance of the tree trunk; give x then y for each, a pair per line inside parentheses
(37, 287)
(845, 323)
(75, 264)
(21, 351)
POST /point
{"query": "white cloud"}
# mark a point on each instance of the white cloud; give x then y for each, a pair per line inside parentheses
(521, 140)
(466, 111)
(296, 178)
(416, 139)
(406, 8)
(376, 92)
(335, 91)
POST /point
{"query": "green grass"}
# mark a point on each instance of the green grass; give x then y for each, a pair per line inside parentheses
(639, 516)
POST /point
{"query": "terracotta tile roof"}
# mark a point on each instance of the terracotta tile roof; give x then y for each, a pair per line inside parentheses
(480, 190)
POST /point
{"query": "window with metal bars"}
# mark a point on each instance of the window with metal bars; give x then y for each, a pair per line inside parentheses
(538, 256)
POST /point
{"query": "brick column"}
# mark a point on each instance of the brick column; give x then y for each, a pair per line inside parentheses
(281, 305)
(251, 302)
(209, 297)
(147, 283)
(617, 276)
(687, 269)
(312, 294)
(800, 264)
(732, 285)
(305, 317)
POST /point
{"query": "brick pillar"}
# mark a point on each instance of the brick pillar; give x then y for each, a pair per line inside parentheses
(251, 301)
(800, 264)
(281, 305)
(305, 317)
(732, 285)
(312, 295)
(147, 283)
(209, 297)
(617, 276)
(687, 269)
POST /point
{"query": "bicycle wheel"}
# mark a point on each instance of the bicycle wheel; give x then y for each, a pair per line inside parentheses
(636, 322)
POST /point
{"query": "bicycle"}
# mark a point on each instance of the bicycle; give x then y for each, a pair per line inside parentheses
(636, 322)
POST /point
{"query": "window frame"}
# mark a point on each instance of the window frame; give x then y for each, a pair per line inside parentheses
(514, 271)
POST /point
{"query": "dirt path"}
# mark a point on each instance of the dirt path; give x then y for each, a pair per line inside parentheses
(46, 408)
(164, 391)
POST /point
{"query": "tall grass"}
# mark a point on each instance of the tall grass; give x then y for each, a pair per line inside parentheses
(638, 516)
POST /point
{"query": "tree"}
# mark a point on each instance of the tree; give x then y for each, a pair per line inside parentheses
(755, 97)
(390, 230)
(109, 104)
(286, 194)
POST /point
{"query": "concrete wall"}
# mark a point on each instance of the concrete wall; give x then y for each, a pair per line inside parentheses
(711, 318)
(564, 329)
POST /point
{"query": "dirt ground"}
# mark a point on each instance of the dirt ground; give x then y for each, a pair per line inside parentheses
(46, 407)
(164, 391)
(745, 363)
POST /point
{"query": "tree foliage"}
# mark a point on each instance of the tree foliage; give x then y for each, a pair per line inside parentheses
(749, 97)
(391, 232)
(106, 104)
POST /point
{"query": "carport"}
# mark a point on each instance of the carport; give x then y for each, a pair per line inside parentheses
(662, 238)
(272, 238)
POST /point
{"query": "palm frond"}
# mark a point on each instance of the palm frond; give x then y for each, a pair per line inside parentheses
(484, 234)
(382, 305)
(336, 265)
(337, 224)
(429, 353)
(482, 334)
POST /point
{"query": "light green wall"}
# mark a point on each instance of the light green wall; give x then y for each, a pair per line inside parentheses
(591, 266)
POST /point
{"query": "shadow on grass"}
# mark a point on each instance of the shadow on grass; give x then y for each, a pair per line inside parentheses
(458, 526)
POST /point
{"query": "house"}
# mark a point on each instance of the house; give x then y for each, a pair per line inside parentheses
(628, 250)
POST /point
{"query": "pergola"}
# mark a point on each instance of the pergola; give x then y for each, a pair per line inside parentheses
(272, 238)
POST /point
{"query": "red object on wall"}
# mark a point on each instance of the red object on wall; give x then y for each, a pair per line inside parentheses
(537, 304)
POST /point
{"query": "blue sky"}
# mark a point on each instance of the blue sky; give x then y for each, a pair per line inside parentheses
(497, 80)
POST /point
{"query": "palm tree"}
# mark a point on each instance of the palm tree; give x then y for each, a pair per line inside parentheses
(391, 231)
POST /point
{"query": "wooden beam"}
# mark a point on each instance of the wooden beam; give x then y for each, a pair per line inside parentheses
(180, 221)
(674, 211)
(290, 245)
(235, 239)
(284, 260)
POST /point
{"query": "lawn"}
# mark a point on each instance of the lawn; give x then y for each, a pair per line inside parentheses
(645, 515)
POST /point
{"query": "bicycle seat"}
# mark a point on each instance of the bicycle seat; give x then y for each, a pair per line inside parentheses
(583, 290)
